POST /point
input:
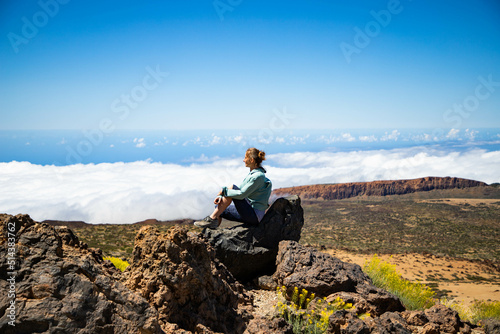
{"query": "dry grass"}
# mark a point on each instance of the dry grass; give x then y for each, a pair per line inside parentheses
(417, 223)
(115, 240)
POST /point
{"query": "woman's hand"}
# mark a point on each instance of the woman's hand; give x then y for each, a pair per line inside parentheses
(217, 200)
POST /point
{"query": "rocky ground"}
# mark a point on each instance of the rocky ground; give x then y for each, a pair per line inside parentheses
(176, 284)
(181, 280)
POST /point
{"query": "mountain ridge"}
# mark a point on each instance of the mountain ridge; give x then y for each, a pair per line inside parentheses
(377, 188)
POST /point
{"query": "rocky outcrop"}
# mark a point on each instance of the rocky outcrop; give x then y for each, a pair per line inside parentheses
(326, 276)
(444, 321)
(377, 188)
(178, 273)
(437, 319)
(306, 268)
(176, 284)
(248, 251)
(63, 287)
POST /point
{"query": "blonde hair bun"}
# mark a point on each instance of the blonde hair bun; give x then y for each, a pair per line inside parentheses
(256, 155)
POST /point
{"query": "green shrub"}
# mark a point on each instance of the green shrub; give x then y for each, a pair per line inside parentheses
(414, 296)
(477, 311)
(486, 309)
(118, 263)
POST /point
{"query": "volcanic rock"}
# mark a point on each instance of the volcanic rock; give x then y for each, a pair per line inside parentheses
(415, 318)
(178, 273)
(307, 268)
(447, 319)
(377, 188)
(491, 326)
(390, 322)
(346, 323)
(63, 287)
(266, 283)
(320, 273)
(260, 325)
(381, 301)
(250, 251)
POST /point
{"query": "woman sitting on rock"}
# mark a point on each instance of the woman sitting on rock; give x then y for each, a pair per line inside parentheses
(250, 199)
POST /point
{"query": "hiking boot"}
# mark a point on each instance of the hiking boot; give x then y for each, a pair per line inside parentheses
(207, 222)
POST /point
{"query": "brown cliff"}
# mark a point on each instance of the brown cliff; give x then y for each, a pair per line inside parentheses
(376, 188)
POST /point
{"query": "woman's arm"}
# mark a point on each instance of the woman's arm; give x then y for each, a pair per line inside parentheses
(247, 188)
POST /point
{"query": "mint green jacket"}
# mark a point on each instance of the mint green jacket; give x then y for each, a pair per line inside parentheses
(256, 187)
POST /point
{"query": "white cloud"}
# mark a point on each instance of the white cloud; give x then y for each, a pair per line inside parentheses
(348, 137)
(131, 192)
(205, 142)
(422, 137)
(394, 135)
(215, 140)
(344, 137)
(280, 140)
(471, 134)
(139, 142)
(369, 139)
(453, 134)
(237, 139)
(293, 140)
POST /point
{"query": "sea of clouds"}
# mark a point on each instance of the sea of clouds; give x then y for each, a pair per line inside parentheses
(131, 192)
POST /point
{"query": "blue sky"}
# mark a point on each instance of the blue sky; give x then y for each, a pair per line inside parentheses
(230, 64)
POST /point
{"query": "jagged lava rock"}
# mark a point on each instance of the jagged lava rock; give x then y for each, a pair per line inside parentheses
(261, 325)
(491, 326)
(389, 322)
(63, 287)
(446, 318)
(177, 272)
(306, 268)
(250, 251)
(346, 322)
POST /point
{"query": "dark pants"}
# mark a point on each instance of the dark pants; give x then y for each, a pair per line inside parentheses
(241, 211)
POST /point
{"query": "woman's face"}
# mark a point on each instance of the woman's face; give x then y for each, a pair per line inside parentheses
(249, 162)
